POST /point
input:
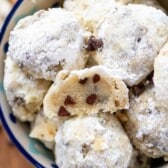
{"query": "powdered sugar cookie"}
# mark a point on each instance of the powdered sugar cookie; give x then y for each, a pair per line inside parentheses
(85, 91)
(92, 141)
(160, 76)
(24, 93)
(48, 42)
(147, 125)
(91, 12)
(130, 41)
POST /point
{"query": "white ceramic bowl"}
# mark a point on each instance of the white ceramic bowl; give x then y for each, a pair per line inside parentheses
(33, 150)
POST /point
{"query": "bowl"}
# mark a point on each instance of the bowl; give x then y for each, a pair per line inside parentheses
(33, 150)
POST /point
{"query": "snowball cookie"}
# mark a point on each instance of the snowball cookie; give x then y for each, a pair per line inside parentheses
(139, 160)
(130, 41)
(48, 42)
(91, 12)
(160, 76)
(24, 93)
(153, 3)
(86, 91)
(92, 141)
(147, 125)
(45, 129)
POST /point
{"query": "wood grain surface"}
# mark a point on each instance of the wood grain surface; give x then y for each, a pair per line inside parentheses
(10, 157)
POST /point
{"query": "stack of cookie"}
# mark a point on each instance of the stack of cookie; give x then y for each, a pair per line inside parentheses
(91, 78)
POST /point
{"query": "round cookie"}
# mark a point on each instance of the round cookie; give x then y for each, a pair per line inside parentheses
(160, 76)
(45, 129)
(48, 42)
(24, 93)
(86, 91)
(147, 125)
(92, 141)
(130, 41)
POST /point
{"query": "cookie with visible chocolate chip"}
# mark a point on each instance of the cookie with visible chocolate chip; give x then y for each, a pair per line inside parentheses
(133, 52)
(85, 91)
(96, 141)
(24, 93)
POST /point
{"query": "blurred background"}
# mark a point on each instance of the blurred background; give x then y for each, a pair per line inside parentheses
(10, 157)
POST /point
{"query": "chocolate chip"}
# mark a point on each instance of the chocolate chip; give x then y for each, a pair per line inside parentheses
(96, 78)
(138, 89)
(83, 81)
(69, 101)
(91, 99)
(93, 44)
(63, 112)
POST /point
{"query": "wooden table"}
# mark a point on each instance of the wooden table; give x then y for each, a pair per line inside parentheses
(10, 157)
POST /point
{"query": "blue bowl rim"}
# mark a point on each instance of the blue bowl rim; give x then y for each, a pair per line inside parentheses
(2, 118)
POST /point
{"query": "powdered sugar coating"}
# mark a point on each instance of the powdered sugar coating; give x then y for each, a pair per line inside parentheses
(86, 91)
(48, 42)
(91, 12)
(92, 141)
(147, 125)
(160, 76)
(131, 42)
(24, 93)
